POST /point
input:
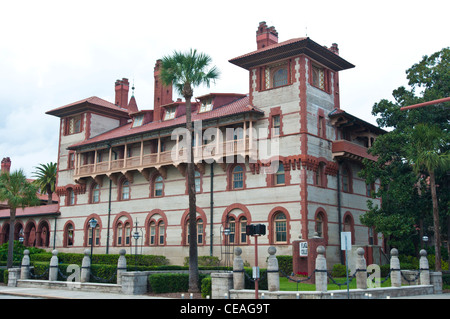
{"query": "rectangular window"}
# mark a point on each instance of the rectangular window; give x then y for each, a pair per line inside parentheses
(206, 106)
(73, 125)
(276, 125)
(318, 77)
(71, 160)
(321, 127)
(161, 234)
(138, 120)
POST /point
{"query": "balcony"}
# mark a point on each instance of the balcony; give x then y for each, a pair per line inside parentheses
(349, 150)
(159, 160)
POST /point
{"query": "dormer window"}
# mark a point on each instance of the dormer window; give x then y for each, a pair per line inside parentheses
(206, 106)
(138, 120)
(170, 113)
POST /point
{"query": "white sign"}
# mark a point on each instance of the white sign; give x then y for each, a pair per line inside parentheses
(303, 247)
(346, 240)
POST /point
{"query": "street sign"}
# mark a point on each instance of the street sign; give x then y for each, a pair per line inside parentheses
(303, 247)
(346, 240)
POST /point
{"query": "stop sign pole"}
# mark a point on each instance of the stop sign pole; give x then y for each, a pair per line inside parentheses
(256, 231)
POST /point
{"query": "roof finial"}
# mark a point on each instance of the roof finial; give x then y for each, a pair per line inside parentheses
(132, 89)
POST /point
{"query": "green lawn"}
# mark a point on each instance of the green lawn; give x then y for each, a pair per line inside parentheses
(287, 285)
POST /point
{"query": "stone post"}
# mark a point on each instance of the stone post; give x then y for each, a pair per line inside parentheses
(238, 270)
(424, 268)
(396, 276)
(121, 266)
(361, 269)
(86, 266)
(13, 276)
(53, 272)
(25, 269)
(321, 270)
(273, 275)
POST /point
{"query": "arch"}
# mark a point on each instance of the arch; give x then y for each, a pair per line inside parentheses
(87, 230)
(43, 234)
(69, 234)
(272, 231)
(184, 222)
(157, 184)
(236, 176)
(29, 234)
(321, 216)
(94, 193)
(123, 189)
(120, 224)
(349, 224)
(158, 217)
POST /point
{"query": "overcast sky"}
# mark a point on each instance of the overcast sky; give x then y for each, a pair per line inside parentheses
(54, 53)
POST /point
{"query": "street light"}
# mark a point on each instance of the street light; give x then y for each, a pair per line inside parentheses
(136, 237)
(92, 223)
(425, 240)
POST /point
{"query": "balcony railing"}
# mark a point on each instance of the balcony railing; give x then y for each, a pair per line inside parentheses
(175, 156)
(347, 149)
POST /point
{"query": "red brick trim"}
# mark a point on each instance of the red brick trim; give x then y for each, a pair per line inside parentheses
(151, 218)
(184, 220)
(271, 225)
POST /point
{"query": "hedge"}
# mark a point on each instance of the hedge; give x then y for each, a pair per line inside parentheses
(164, 283)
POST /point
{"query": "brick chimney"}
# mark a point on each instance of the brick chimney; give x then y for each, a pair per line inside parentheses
(334, 48)
(163, 94)
(265, 36)
(122, 88)
(6, 164)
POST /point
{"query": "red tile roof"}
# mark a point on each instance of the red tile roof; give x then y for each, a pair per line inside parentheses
(92, 101)
(32, 211)
(237, 107)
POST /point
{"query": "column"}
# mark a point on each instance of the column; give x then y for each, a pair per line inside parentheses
(25, 268)
(361, 269)
(121, 266)
(396, 276)
(321, 270)
(86, 266)
(238, 270)
(273, 276)
(424, 268)
(53, 272)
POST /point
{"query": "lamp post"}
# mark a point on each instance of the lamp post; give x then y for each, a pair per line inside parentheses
(92, 224)
(425, 240)
(136, 237)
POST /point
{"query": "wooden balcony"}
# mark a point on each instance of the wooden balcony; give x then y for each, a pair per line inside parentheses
(175, 156)
(349, 150)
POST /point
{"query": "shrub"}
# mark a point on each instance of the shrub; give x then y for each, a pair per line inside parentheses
(285, 264)
(205, 261)
(163, 283)
(338, 270)
(206, 287)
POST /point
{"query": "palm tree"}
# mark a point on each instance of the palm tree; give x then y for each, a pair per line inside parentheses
(185, 71)
(426, 154)
(46, 179)
(17, 192)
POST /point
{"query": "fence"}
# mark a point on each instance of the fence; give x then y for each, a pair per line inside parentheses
(367, 277)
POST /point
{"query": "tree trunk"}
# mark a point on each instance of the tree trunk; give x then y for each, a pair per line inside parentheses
(50, 197)
(437, 233)
(193, 251)
(12, 221)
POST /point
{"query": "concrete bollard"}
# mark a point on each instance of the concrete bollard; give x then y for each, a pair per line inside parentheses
(321, 270)
(53, 272)
(273, 275)
(424, 268)
(238, 270)
(25, 268)
(361, 269)
(13, 276)
(121, 266)
(86, 266)
(396, 276)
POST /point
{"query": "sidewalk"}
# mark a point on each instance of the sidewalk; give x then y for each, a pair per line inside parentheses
(48, 293)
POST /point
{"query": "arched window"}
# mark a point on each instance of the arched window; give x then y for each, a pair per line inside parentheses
(161, 233)
(158, 187)
(96, 236)
(125, 190)
(232, 226)
(69, 235)
(152, 233)
(280, 77)
(238, 177)
(280, 226)
(199, 232)
(242, 230)
(119, 234)
(319, 224)
(349, 225)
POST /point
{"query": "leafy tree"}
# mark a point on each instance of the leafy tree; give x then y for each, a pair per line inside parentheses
(412, 154)
(46, 179)
(17, 192)
(185, 71)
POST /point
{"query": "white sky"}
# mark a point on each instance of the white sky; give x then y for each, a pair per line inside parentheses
(54, 53)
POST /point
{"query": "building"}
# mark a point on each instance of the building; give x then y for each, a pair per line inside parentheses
(284, 155)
